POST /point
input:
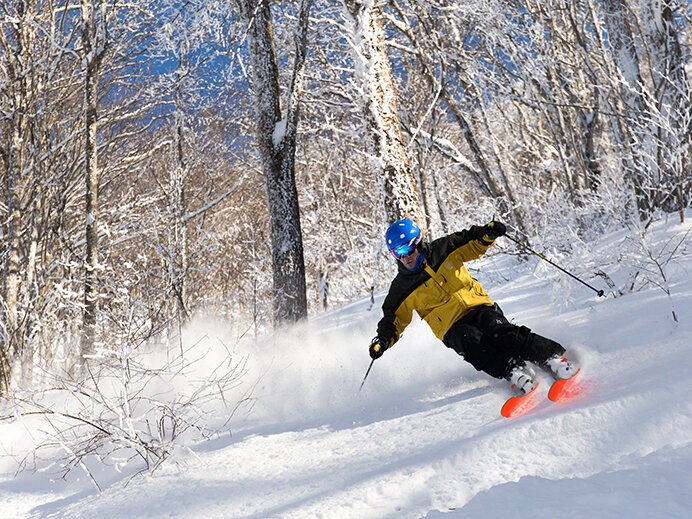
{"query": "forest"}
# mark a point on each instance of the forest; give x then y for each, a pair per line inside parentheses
(242, 159)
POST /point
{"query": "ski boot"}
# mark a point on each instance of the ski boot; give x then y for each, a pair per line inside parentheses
(522, 380)
(564, 373)
(525, 385)
(559, 367)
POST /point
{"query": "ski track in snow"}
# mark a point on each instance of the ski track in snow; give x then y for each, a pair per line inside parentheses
(424, 438)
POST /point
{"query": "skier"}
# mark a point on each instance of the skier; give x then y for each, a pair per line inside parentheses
(433, 281)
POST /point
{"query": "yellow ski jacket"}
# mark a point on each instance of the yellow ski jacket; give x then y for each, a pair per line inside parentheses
(441, 291)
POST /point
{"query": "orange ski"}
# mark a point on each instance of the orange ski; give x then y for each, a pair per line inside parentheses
(560, 387)
(518, 405)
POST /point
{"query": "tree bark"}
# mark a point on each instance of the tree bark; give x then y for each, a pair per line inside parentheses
(93, 47)
(383, 139)
(177, 263)
(276, 139)
(18, 67)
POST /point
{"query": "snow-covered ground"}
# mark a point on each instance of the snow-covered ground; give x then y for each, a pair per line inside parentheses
(424, 437)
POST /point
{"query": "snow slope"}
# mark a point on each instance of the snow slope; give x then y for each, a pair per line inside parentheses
(424, 437)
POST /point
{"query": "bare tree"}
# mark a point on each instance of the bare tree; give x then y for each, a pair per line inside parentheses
(94, 30)
(545, 118)
(275, 133)
(426, 53)
(633, 105)
(36, 79)
(383, 139)
(671, 107)
(16, 39)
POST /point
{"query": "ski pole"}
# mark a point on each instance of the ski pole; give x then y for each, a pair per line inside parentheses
(366, 375)
(599, 292)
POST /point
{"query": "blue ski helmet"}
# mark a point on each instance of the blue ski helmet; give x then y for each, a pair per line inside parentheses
(403, 232)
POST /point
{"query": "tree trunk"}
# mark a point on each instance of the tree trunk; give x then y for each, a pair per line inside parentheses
(12, 263)
(16, 37)
(276, 139)
(177, 262)
(383, 138)
(94, 50)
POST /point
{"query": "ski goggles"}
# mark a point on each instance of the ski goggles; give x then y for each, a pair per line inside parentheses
(404, 249)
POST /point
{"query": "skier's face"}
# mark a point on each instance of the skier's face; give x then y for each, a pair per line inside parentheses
(410, 260)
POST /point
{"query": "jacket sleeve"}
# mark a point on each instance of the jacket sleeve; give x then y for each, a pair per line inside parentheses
(386, 330)
(397, 316)
(470, 242)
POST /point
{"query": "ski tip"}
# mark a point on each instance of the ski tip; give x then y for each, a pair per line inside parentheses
(560, 387)
(518, 405)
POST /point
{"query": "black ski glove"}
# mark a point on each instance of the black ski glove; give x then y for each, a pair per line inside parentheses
(377, 348)
(494, 230)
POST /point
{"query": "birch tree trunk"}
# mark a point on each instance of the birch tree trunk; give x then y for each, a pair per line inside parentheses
(383, 139)
(275, 133)
(186, 37)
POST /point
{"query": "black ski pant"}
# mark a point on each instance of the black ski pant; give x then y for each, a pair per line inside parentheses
(490, 343)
